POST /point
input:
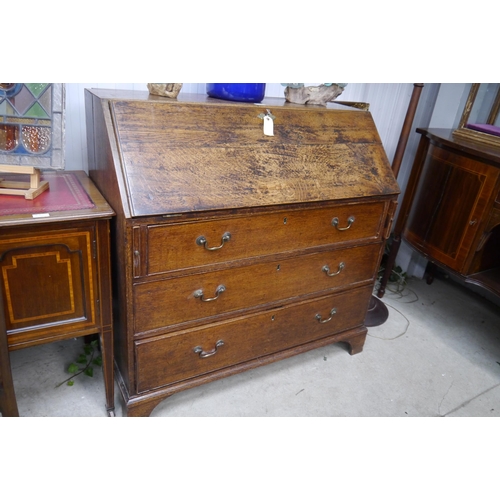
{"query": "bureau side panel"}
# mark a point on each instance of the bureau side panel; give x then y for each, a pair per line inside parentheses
(105, 171)
(103, 154)
(121, 267)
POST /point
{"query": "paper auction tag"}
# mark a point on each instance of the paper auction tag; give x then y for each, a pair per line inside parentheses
(268, 125)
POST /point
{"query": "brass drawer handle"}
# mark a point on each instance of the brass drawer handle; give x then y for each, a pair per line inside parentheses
(199, 294)
(326, 270)
(335, 223)
(332, 314)
(202, 241)
(199, 350)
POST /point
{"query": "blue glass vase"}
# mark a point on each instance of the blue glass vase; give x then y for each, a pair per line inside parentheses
(242, 92)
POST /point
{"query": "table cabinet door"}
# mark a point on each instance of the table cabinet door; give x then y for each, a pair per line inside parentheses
(48, 283)
(450, 209)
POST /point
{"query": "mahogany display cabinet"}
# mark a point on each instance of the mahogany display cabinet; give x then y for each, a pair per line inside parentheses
(451, 210)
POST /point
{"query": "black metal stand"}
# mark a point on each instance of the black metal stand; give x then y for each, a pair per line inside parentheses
(377, 312)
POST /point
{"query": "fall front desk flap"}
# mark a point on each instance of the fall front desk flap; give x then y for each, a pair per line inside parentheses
(196, 153)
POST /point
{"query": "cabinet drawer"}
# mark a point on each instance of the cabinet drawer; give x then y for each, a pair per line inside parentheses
(174, 301)
(167, 359)
(172, 247)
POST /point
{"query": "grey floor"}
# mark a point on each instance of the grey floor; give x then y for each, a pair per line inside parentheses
(438, 355)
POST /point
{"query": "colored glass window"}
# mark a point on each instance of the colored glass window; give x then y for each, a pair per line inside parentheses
(32, 124)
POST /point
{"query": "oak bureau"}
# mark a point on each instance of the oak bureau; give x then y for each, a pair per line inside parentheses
(231, 247)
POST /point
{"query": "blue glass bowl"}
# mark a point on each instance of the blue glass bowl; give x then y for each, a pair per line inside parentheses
(242, 92)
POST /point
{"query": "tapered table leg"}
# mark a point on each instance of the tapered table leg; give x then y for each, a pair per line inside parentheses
(8, 403)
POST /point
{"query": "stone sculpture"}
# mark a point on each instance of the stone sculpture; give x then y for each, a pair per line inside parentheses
(165, 89)
(297, 93)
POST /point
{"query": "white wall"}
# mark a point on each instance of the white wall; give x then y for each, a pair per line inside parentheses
(76, 136)
(449, 105)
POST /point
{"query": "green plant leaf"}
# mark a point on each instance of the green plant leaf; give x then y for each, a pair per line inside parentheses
(72, 368)
(82, 359)
(91, 356)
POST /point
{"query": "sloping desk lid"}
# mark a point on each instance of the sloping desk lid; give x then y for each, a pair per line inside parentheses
(206, 154)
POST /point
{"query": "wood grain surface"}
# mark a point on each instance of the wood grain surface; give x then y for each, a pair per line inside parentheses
(185, 156)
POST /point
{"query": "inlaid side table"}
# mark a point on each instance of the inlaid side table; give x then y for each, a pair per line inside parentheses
(55, 272)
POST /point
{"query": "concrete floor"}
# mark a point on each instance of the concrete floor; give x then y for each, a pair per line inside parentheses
(438, 354)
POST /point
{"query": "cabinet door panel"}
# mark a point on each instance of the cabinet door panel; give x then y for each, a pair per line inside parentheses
(455, 210)
(449, 207)
(47, 284)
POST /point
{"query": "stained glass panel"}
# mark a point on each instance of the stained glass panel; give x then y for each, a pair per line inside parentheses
(32, 124)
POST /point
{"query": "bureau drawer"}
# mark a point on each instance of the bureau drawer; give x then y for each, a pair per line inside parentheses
(167, 359)
(174, 301)
(180, 246)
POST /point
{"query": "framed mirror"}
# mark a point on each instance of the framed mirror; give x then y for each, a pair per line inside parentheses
(480, 121)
